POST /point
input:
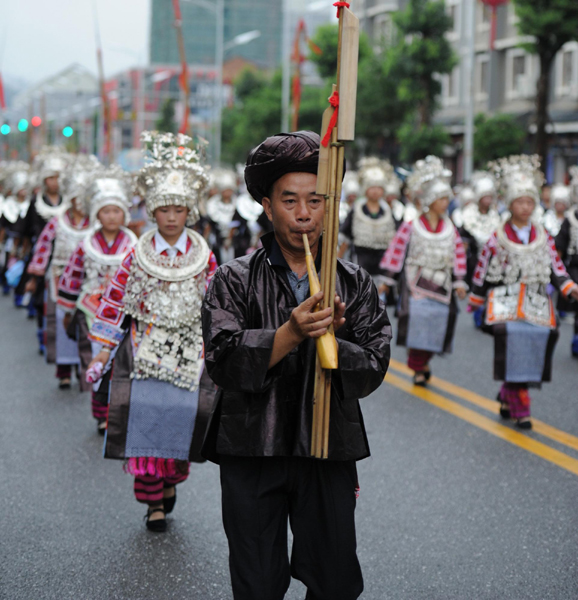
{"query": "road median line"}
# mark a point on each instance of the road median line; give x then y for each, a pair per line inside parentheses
(498, 430)
(548, 431)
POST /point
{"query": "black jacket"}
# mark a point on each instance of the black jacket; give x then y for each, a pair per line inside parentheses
(262, 412)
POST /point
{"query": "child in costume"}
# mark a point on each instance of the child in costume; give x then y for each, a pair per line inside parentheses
(511, 281)
(54, 247)
(91, 267)
(428, 259)
(151, 310)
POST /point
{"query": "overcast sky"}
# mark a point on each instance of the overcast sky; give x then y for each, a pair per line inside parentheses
(40, 37)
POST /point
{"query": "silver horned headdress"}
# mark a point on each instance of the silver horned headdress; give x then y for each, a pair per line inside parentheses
(173, 173)
(75, 177)
(483, 184)
(430, 179)
(49, 162)
(374, 172)
(518, 176)
(109, 186)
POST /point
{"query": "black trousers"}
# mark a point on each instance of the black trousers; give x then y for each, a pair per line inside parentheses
(260, 495)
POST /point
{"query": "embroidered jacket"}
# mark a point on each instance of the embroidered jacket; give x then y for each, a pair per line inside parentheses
(45, 244)
(74, 279)
(108, 326)
(395, 258)
(498, 266)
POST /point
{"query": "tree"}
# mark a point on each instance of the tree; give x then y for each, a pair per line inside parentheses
(326, 38)
(166, 121)
(497, 136)
(256, 113)
(414, 64)
(421, 55)
(552, 23)
(417, 140)
(378, 110)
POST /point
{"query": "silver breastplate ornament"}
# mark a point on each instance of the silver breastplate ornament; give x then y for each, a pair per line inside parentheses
(164, 296)
(372, 233)
(520, 263)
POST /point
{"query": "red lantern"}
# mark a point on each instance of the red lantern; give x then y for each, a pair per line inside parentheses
(493, 5)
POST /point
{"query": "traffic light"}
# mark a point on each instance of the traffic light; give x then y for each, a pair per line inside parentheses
(22, 125)
(67, 131)
(5, 129)
(36, 121)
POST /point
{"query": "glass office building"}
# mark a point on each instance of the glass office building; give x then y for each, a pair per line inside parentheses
(199, 25)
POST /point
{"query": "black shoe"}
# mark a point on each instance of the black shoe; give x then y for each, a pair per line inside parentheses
(169, 503)
(101, 426)
(504, 408)
(420, 379)
(64, 383)
(524, 423)
(159, 525)
(427, 374)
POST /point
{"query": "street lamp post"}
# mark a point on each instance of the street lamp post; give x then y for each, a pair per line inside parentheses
(218, 8)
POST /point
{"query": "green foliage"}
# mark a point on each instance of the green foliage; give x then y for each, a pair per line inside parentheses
(417, 140)
(396, 93)
(166, 121)
(421, 54)
(551, 22)
(325, 38)
(257, 114)
(497, 136)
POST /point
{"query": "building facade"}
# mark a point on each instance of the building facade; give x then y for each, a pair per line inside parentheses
(504, 79)
(199, 23)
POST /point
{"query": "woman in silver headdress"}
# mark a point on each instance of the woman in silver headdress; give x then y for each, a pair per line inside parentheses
(89, 270)
(370, 225)
(428, 259)
(55, 245)
(511, 282)
(567, 247)
(151, 311)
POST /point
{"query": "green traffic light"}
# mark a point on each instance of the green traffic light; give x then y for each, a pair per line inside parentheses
(67, 131)
(22, 125)
(5, 129)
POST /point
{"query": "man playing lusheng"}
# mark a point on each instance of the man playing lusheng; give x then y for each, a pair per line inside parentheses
(259, 327)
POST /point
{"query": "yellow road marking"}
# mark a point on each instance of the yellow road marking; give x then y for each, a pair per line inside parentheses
(500, 431)
(557, 435)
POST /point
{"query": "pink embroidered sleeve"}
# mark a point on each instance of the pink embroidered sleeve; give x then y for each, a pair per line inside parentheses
(394, 257)
(43, 248)
(561, 276)
(211, 268)
(107, 326)
(460, 264)
(71, 281)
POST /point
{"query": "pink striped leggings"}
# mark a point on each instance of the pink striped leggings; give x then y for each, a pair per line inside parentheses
(148, 489)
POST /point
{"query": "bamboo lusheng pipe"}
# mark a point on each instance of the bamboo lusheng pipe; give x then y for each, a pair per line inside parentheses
(326, 344)
(330, 175)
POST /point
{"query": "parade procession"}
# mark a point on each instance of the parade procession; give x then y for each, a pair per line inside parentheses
(289, 309)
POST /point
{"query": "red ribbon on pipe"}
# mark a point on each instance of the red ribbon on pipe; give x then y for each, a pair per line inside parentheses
(340, 5)
(334, 101)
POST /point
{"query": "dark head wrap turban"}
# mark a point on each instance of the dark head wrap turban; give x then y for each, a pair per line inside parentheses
(296, 152)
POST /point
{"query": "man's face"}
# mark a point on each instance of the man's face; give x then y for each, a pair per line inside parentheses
(51, 184)
(294, 209)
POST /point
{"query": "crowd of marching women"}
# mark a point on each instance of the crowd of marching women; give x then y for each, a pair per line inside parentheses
(113, 268)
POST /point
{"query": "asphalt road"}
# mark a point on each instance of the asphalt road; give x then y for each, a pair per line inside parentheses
(448, 508)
